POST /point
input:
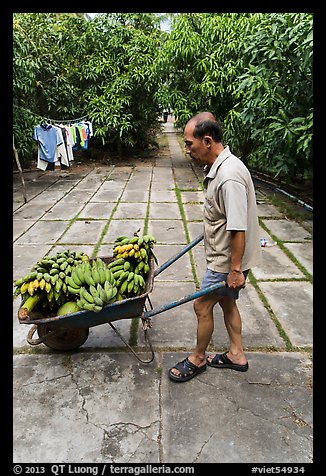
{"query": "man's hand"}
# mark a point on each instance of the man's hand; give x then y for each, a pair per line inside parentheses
(236, 279)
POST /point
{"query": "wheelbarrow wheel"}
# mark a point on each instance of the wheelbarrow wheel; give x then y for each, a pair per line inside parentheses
(62, 338)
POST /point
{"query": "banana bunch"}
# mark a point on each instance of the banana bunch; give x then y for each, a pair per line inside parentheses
(48, 278)
(93, 284)
(128, 282)
(131, 263)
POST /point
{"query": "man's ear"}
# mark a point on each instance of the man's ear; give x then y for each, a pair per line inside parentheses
(208, 141)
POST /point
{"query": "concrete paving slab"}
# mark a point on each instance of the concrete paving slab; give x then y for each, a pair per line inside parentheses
(76, 196)
(62, 185)
(135, 196)
(167, 231)
(122, 227)
(292, 304)
(106, 196)
(258, 329)
(104, 336)
(195, 229)
(287, 230)
(197, 197)
(180, 270)
(100, 415)
(175, 327)
(20, 226)
(137, 184)
(303, 253)
(120, 172)
(83, 231)
(267, 210)
(163, 196)
(43, 232)
(160, 186)
(111, 184)
(131, 210)
(162, 210)
(99, 210)
(51, 194)
(193, 212)
(105, 250)
(33, 210)
(25, 256)
(198, 253)
(275, 264)
(63, 211)
(261, 416)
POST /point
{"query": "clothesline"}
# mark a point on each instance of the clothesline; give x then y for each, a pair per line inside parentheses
(57, 121)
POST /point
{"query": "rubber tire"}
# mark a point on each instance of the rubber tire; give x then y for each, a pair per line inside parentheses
(70, 339)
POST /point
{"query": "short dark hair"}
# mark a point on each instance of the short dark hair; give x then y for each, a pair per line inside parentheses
(208, 128)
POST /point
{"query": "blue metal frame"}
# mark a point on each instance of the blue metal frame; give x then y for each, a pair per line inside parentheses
(189, 297)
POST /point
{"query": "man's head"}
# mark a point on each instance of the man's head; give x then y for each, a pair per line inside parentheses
(203, 137)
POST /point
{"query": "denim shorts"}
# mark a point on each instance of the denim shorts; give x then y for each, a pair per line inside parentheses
(212, 277)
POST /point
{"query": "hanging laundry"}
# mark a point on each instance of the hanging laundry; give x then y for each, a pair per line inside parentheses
(48, 139)
(61, 151)
(57, 142)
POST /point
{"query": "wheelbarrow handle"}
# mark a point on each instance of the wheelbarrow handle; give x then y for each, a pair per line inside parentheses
(178, 255)
(189, 297)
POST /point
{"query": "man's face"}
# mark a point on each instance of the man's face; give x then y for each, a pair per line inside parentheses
(194, 147)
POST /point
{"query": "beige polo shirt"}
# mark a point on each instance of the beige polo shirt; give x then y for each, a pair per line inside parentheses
(230, 204)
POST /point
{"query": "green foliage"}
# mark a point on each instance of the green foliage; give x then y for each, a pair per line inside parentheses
(118, 77)
(254, 72)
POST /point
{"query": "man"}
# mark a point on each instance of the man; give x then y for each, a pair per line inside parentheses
(231, 241)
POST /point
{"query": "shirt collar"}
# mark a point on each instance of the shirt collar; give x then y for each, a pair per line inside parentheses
(220, 158)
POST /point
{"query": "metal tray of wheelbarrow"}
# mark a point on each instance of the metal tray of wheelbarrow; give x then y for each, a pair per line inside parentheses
(126, 309)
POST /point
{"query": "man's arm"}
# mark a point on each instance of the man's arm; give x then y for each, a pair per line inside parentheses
(235, 277)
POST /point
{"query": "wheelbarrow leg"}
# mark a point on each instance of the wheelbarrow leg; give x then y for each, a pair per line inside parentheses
(145, 326)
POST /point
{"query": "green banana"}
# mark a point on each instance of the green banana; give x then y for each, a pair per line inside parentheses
(134, 240)
(108, 292)
(116, 262)
(93, 290)
(96, 275)
(86, 295)
(130, 276)
(79, 271)
(71, 282)
(130, 286)
(89, 278)
(73, 290)
(86, 305)
(123, 287)
(75, 278)
(98, 301)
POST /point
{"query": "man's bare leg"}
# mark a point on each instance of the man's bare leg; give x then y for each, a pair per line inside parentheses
(203, 307)
(233, 324)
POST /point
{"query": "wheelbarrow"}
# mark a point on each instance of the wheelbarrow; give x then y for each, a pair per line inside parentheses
(70, 331)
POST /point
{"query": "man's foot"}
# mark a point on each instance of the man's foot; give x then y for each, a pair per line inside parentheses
(186, 370)
(222, 361)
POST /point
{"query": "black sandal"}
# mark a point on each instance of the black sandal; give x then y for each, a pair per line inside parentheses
(222, 361)
(187, 370)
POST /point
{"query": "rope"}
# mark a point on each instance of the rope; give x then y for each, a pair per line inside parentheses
(61, 121)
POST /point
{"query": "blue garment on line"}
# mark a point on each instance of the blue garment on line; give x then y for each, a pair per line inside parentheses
(48, 138)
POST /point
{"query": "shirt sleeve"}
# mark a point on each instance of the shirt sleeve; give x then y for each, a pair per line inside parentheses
(235, 203)
(35, 135)
(59, 138)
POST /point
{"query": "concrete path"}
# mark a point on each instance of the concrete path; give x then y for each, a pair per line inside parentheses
(100, 404)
